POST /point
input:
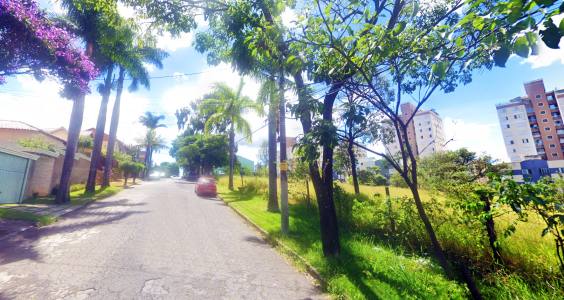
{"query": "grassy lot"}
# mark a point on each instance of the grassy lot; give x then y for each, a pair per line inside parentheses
(374, 266)
(18, 215)
(79, 197)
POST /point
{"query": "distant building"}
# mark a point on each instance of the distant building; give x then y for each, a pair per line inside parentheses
(534, 168)
(246, 163)
(532, 125)
(386, 169)
(425, 131)
(12, 131)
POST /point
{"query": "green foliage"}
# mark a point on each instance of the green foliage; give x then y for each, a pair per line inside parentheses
(214, 152)
(129, 168)
(85, 143)
(38, 142)
(370, 176)
(397, 180)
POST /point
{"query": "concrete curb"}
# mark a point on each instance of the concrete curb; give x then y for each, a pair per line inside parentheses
(275, 242)
(61, 216)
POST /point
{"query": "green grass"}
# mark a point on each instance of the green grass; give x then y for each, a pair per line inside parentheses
(77, 197)
(392, 271)
(365, 270)
(19, 215)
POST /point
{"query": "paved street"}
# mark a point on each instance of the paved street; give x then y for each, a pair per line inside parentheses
(157, 240)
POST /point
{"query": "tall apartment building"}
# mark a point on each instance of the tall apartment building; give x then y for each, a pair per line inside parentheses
(425, 132)
(532, 125)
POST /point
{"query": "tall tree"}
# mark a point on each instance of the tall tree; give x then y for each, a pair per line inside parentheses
(89, 23)
(230, 106)
(131, 63)
(152, 123)
(152, 143)
(268, 97)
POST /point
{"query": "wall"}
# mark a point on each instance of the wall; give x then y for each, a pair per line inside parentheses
(41, 177)
(9, 137)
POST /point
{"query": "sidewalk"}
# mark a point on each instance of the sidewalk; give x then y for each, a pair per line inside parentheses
(54, 211)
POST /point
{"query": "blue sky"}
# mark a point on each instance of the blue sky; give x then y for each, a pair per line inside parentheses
(469, 113)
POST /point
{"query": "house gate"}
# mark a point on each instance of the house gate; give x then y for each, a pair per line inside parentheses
(13, 177)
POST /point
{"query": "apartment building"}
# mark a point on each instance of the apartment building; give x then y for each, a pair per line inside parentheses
(532, 125)
(425, 132)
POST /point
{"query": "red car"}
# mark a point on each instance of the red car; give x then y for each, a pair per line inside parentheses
(206, 186)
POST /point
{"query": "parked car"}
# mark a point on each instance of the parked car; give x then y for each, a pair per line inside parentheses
(192, 176)
(206, 186)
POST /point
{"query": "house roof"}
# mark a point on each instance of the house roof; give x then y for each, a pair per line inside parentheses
(18, 125)
(51, 130)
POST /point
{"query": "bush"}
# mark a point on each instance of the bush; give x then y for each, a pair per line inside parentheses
(398, 181)
(77, 187)
(254, 186)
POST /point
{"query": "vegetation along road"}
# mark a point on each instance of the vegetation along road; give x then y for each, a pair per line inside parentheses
(156, 241)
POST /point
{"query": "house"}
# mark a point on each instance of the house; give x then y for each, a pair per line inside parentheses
(119, 145)
(60, 132)
(12, 131)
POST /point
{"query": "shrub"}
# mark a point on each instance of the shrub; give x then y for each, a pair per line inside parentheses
(77, 187)
(254, 186)
(38, 142)
(398, 181)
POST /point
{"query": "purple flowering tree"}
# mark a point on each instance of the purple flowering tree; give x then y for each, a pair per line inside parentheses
(33, 44)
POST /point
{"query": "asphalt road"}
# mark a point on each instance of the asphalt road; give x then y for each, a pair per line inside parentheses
(157, 240)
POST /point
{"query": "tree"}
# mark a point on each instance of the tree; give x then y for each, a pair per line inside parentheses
(151, 121)
(152, 143)
(461, 175)
(128, 168)
(262, 154)
(299, 170)
(34, 44)
(132, 59)
(85, 143)
(88, 22)
(230, 107)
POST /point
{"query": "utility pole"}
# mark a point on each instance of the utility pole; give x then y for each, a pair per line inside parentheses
(283, 157)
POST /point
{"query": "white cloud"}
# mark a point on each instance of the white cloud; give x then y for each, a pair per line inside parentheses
(169, 43)
(288, 16)
(476, 137)
(546, 55)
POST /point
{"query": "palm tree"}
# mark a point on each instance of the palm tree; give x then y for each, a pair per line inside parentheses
(90, 24)
(132, 66)
(152, 143)
(151, 121)
(230, 106)
(267, 96)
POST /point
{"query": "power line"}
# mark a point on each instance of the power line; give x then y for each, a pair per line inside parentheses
(175, 75)
(253, 132)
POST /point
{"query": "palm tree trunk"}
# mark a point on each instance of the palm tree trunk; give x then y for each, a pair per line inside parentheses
(113, 129)
(99, 136)
(231, 155)
(272, 182)
(63, 194)
(285, 215)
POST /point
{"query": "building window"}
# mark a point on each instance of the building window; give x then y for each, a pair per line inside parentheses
(515, 108)
(561, 170)
(538, 97)
(428, 122)
(504, 110)
(554, 154)
(544, 171)
(541, 104)
(549, 137)
(428, 129)
(405, 114)
(545, 120)
(549, 98)
(419, 124)
(521, 124)
(552, 146)
(409, 132)
(547, 128)
(507, 126)
(421, 136)
(512, 150)
(420, 130)
(526, 171)
(543, 112)
(508, 134)
(530, 110)
(511, 142)
(525, 141)
(505, 118)
(522, 133)
(410, 139)
(430, 135)
(527, 149)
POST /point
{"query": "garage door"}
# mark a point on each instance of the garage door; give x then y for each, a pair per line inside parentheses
(12, 177)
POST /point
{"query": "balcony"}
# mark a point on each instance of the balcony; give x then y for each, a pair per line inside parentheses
(541, 151)
(537, 134)
(538, 142)
(560, 131)
(535, 126)
(552, 107)
(530, 110)
(527, 102)
(561, 140)
(556, 115)
(558, 122)
(532, 119)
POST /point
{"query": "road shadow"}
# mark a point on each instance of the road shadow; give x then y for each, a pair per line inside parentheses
(184, 182)
(23, 246)
(255, 240)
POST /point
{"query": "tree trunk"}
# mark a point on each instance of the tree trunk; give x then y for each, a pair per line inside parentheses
(99, 136)
(113, 129)
(272, 174)
(430, 231)
(353, 168)
(285, 215)
(134, 177)
(490, 228)
(63, 194)
(308, 199)
(231, 156)
(323, 186)
(125, 176)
